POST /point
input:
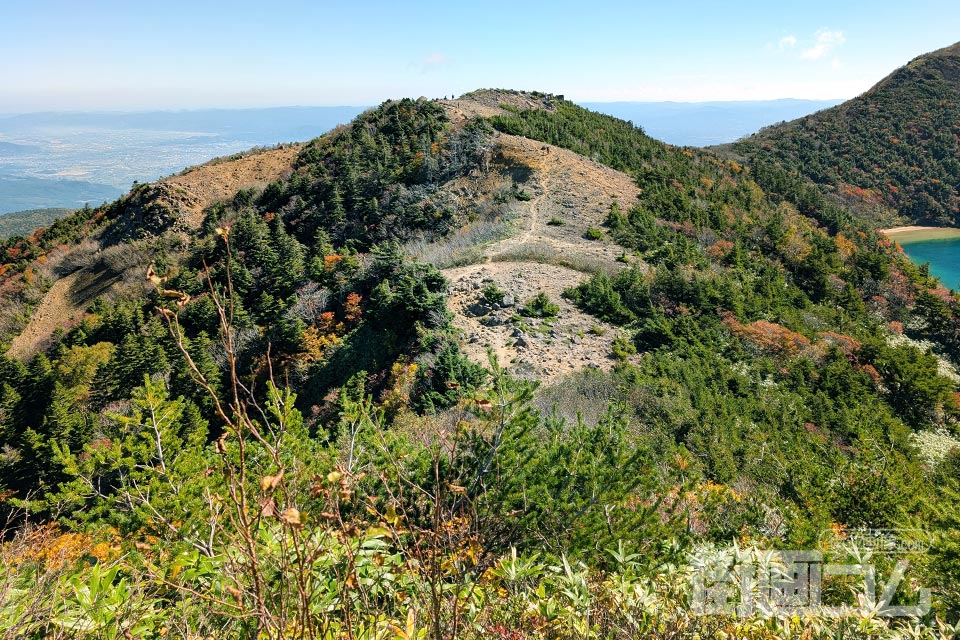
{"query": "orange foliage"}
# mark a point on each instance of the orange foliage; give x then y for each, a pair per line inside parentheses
(769, 337)
(48, 547)
(351, 309)
(330, 262)
(845, 343)
(315, 344)
(859, 194)
(328, 323)
(871, 371)
(719, 249)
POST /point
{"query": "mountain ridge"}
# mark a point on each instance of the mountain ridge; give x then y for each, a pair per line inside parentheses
(892, 154)
(681, 350)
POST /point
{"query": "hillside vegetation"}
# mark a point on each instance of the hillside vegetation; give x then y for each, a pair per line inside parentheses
(891, 154)
(23, 223)
(274, 432)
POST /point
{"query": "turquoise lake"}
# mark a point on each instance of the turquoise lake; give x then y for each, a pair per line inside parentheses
(943, 256)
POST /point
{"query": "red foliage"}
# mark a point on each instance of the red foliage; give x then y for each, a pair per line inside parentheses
(719, 249)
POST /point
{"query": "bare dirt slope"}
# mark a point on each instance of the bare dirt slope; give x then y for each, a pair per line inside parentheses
(491, 102)
(187, 194)
(57, 309)
(199, 187)
(547, 250)
(569, 194)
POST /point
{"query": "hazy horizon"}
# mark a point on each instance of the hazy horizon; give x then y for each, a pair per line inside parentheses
(66, 56)
(179, 110)
(63, 159)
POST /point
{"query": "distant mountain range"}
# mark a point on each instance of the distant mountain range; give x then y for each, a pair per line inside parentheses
(67, 159)
(701, 124)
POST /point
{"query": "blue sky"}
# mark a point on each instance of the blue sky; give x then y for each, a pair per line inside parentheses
(100, 54)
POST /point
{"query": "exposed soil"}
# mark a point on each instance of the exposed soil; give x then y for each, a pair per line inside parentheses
(542, 348)
(187, 194)
(220, 179)
(57, 309)
(547, 251)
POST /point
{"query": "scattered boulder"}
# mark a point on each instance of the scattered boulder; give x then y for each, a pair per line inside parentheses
(478, 309)
(496, 320)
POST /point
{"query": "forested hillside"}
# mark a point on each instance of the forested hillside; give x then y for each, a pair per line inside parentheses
(890, 154)
(271, 429)
(23, 223)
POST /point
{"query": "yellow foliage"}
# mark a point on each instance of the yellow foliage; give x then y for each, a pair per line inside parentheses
(49, 548)
(795, 247)
(400, 384)
(845, 247)
(78, 365)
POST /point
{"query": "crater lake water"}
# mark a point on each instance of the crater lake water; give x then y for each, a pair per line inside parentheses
(943, 255)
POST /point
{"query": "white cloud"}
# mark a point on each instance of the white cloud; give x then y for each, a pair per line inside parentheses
(435, 59)
(824, 42)
(786, 42)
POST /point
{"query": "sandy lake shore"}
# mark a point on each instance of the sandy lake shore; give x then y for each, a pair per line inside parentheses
(915, 233)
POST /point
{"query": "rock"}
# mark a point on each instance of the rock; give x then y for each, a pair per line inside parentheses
(478, 309)
(576, 339)
(521, 342)
(497, 320)
(517, 333)
(508, 300)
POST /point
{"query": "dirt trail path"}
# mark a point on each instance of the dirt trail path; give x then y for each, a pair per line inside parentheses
(547, 253)
(571, 194)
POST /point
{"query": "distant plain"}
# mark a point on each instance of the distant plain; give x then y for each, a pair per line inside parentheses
(74, 158)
